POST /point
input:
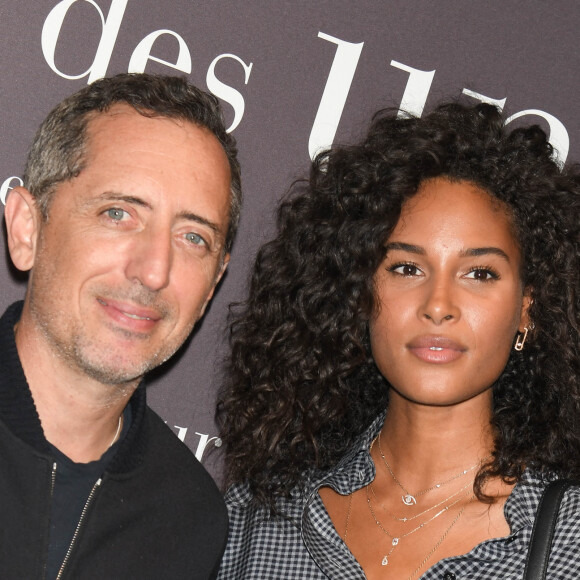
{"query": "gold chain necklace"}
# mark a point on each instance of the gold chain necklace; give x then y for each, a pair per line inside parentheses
(429, 554)
(407, 498)
(347, 517)
(396, 539)
(440, 541)
(411, 518)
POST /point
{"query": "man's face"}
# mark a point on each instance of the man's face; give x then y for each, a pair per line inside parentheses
(133, 247)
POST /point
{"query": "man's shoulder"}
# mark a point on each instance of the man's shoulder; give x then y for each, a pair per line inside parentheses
(165, 475)
(161, 435)
(166, 452)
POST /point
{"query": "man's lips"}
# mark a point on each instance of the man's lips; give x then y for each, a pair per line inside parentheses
(436, 349)
(130, 314)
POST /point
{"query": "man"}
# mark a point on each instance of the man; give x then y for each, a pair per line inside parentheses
(129, 207)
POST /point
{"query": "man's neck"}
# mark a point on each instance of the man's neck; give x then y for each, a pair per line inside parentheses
(79, 415)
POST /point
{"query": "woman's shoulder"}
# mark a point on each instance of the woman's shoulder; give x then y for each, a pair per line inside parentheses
(568, 524)
(530, 491)
(261, 539)
(242, 503)
(240, 497)
(534, 484)
(521, 510)
(564, 561)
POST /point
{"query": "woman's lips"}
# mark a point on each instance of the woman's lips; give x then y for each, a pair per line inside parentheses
(436, 349)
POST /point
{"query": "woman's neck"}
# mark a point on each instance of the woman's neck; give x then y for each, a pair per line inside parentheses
(424, 444)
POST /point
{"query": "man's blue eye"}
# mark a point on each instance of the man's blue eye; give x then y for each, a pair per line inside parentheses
(116, 214)
(194, 239)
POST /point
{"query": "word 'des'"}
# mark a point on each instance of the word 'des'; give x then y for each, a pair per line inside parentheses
(110, 25)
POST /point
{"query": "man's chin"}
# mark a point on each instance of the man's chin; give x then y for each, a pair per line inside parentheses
(114, 375)
(117, 370)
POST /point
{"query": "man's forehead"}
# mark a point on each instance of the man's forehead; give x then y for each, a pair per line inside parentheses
(124, 149)
(114, 119)
(122, 122)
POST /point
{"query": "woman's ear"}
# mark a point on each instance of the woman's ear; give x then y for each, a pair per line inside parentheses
(525, 320)
(22, 225)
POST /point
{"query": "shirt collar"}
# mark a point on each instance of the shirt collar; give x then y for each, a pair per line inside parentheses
(355, 469)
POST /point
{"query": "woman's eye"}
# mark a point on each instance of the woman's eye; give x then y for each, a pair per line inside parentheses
(405, 270)
(195, 239)
(116, 214)
(482, 274)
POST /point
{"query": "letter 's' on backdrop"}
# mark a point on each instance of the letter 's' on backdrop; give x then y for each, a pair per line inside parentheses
(293, 76)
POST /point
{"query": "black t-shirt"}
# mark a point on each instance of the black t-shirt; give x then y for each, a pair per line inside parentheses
(72, 487)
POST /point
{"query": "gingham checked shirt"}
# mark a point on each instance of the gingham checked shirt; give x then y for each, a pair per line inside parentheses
(306, 546)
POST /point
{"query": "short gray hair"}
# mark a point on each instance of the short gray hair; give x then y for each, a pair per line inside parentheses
(58, 151)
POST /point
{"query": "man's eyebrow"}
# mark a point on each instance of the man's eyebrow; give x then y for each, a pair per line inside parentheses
(474, 252)
(186, 215)
(405, 248)
(112, 196)
(193, 217)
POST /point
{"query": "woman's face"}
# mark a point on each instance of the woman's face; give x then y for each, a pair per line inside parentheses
(449, 296)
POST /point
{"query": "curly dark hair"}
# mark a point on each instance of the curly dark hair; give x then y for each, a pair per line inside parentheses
(302, 383)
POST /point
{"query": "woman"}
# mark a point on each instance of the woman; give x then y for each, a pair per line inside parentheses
(405, 371)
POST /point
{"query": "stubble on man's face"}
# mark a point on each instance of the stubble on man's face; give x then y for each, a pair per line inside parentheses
(75, 347)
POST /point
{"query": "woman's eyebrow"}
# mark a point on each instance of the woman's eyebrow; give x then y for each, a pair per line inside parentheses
(469, 252)
(474, 252)
(405, 248)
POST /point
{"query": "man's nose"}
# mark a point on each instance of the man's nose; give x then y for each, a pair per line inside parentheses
(151, 259)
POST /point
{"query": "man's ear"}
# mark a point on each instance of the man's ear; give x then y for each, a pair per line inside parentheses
(224, 265)
(22, 225)
(218, 277)
(525, 320)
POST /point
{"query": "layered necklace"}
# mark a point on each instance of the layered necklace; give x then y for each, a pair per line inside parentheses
(410, 499)
(396, 539)
(405, 519)
(464, 494)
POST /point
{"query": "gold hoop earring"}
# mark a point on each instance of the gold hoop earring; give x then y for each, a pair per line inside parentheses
(521, 339)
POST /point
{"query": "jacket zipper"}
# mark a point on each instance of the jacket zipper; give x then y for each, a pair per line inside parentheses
(52, 479)
(52, 482)
(77, 530)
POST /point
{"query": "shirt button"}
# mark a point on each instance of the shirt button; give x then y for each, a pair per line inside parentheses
(449, 576)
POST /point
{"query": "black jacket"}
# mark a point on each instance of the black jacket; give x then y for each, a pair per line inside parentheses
(156, 515)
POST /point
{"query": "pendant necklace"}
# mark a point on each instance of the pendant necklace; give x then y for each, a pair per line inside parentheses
(396, 539)
(409, 499)
(439, 542)
(411, 518)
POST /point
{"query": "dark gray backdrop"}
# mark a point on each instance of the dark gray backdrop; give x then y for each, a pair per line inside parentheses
(293, 76)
